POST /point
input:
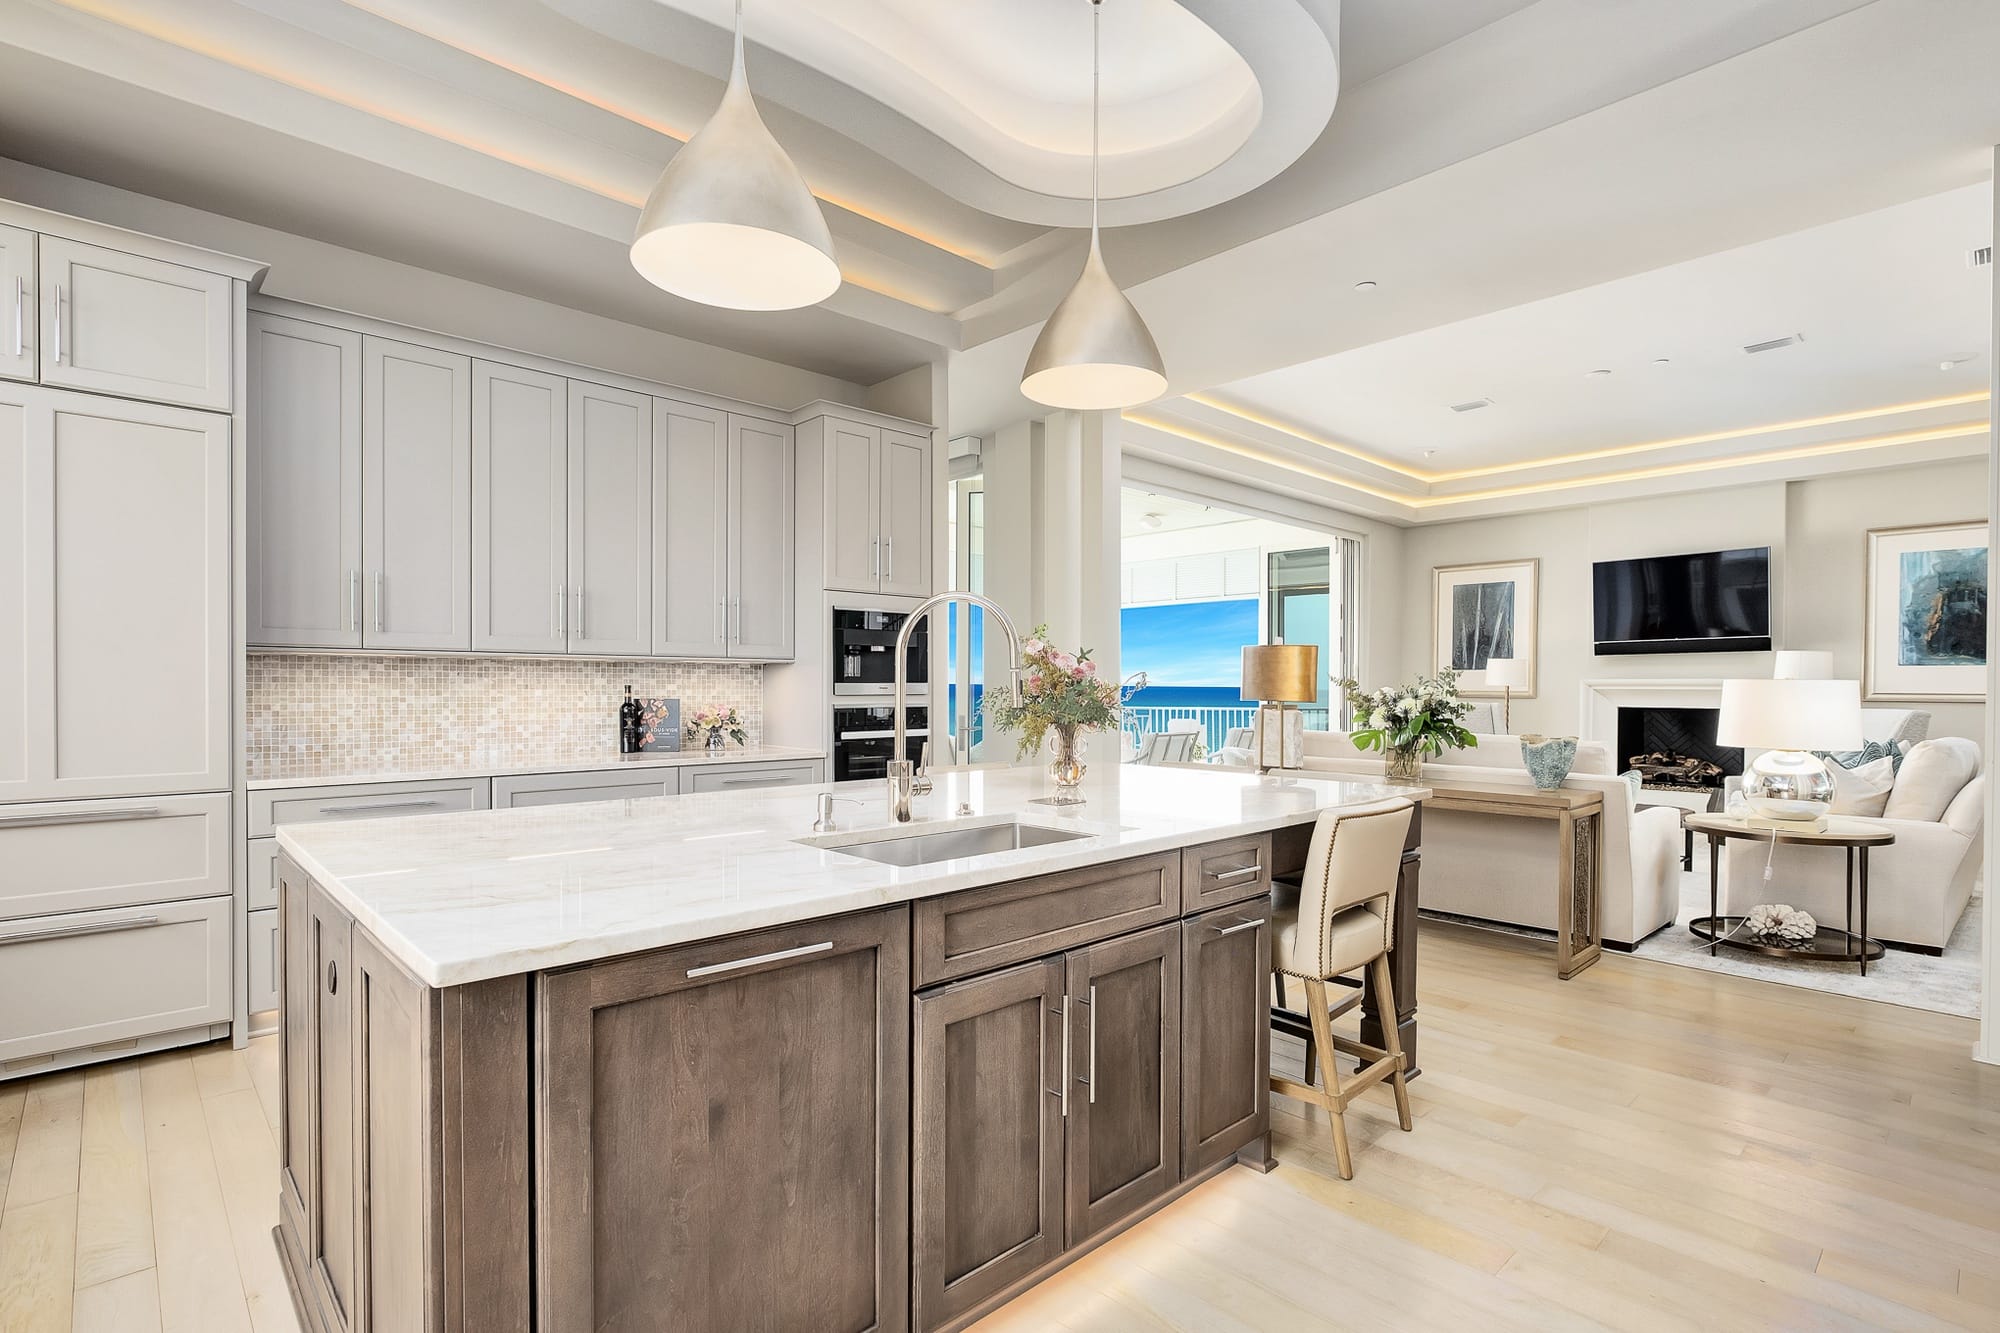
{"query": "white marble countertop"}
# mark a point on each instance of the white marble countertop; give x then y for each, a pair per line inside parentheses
(463, 897)
(490, 764)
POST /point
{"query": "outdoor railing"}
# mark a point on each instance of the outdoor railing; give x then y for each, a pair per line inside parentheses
(1216, 720)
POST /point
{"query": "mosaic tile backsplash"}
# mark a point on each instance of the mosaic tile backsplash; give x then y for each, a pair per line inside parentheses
(310, 714)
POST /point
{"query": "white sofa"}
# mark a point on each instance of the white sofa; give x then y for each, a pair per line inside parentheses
(1498, 868)
(1918, 886)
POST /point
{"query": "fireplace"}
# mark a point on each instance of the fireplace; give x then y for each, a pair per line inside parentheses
(1675, 747)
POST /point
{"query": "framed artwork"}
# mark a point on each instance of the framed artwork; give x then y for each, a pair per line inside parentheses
(1925, 631)
(1485, 611)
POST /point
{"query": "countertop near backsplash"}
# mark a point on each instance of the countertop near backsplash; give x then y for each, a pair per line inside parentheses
(350, 718)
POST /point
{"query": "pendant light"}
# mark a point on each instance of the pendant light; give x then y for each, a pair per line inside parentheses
(732, 223)
(1095, 353)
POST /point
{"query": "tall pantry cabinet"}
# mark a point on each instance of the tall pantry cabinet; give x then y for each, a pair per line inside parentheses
(121, 425)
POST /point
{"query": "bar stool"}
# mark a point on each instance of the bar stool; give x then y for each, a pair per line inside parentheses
(1341, 923)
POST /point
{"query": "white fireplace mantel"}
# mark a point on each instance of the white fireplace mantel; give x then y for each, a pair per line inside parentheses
(1603, 698)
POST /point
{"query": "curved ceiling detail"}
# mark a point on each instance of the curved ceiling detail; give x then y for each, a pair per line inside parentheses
(989, 100)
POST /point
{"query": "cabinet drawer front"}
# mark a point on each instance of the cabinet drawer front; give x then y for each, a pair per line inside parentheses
(745, 777)
(148, 969)
(135, 327)
(75, 856)
(513, 793)
(262, 937)
(1226, 872)
(374, 800)
(980, 929)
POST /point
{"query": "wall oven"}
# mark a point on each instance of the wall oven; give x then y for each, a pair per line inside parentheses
(864, 741)
(864, 652)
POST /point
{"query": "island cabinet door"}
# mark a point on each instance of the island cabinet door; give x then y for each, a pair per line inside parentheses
(723, 1135)
(1225, 1032)
(331, 1266)
(395, 1183)
(299, 999)
(988, 1136)
(1125, 1077)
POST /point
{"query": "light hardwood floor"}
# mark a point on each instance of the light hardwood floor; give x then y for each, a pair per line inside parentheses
(1644, 1147)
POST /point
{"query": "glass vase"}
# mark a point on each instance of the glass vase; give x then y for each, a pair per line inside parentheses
(1066, 768)
(1406, 765)
(715, 741)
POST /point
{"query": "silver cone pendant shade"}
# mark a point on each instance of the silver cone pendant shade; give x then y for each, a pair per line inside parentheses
(1095, 353)
(732, 223)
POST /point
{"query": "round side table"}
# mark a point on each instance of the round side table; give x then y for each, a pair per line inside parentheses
(1828, 944)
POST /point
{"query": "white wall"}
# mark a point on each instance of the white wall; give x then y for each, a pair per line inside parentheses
(1817, 530)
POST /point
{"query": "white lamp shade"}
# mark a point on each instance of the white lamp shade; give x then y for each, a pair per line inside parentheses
(1508, 672)
(1797, 664)
(1790, 715)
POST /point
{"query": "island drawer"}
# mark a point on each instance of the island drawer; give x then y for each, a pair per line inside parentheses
(73, 856)
(746, 777)
(1219, 873)
(982, 929)
(364, 800)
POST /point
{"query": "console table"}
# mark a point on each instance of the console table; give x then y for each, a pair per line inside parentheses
(1827, 944)
(1578, 820)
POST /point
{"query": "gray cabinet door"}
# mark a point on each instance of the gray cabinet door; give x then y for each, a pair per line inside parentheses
(906, 514)
(416, 509)
(304, 548)
(520, 467)
(986, 1136)
(690, 530)
(118, 544)
(1225, 1032)
(395, 1185)
(19, 328)
(760, 540)
(610, 521)
(332, 1193)
(138, 328)
(298, 1028)
(851, 483)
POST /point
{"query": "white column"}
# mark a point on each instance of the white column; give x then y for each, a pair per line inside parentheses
(1101, 540)
(1988, 1049)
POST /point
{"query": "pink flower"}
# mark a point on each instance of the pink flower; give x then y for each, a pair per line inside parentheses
(1088, 669)
(1078, 673)
(1035, 682)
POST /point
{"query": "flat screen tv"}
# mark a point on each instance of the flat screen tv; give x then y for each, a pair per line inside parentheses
(1713, 602)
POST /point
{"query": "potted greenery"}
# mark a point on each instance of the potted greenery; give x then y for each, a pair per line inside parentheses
(1410, 723)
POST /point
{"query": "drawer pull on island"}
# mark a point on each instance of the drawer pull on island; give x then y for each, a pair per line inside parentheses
(81, 817)
(91, 928)
(1251, 924)
(824, 946)
(372, 809)
(1239, 873)
(1065, 1049)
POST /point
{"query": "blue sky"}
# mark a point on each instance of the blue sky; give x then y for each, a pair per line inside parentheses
(1188, 643)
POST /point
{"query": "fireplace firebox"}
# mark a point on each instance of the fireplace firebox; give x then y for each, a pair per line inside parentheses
(1675, 748)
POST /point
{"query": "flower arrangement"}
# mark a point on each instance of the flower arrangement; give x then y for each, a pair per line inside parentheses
(713, 722)
(1060, 692)
(1422, 719)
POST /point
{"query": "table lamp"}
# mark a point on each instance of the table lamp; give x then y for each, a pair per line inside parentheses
(1786, 787)
(1510, 674)
(1279, 677)
(1802, 664)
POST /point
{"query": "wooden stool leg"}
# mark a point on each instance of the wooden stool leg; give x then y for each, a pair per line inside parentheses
(1392, 1041)
(1329, 1065)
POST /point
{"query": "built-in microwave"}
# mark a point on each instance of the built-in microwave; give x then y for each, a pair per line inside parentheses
(864, 652)
(864, 740)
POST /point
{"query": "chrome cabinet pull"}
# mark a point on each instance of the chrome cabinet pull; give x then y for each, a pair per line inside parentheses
(562, 615)
(579, 613)
(354, 600)
(81, 817)
(737, 965)
(380, 579)
(755, 782)
(888, 559)
(1065, 1049)
(90, 928)
(736, 619)
(20, 315)
(386, 805)
(875, 558)
(1093, 1043)
(1251, 924)
(721, 620)
(59, 328)
(1239, 873)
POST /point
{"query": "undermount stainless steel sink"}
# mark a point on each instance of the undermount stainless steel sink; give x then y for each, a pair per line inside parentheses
(898, 848)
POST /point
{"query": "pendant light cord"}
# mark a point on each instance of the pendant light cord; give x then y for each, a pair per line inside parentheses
(736, 45)
(1096, 76)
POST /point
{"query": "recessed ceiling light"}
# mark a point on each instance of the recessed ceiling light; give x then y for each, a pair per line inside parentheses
(1365, 285)
(1659, 360)
(1472, 405)
(1593, 374)
(1953, 363)
(1152, 520)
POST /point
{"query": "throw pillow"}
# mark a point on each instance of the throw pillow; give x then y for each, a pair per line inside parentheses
(1934, 772)
(1637, 779)
(1869, 752)
(1864, 790)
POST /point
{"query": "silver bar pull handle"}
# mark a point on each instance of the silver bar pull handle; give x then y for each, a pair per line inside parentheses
(1251, 924)
(59, 328)
(20, 316)
(737, 965)
(721, 620)
(369, 809)
(1065, 1050)
(562, 617)
(1093, 1043)
(755, 782)
(89, 928)
(875, 558)
(354, 600)
(889, 559)
(380, 580)
(1240, 872)
(579, 613)
(81, 817)
(736, 619)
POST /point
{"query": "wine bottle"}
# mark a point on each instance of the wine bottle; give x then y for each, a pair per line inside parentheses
(630, 724)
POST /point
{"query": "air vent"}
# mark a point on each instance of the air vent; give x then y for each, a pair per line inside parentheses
(1979, 257)
(1472, 405)
(1774, 344)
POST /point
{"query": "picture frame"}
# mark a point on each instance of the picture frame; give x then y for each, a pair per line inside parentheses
(1924, 629)
(1482, 611)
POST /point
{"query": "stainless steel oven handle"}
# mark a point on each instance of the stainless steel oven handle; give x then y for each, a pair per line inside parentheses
(879, 735)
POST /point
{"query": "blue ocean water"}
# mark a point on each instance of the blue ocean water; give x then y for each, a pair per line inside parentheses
(1187, 696)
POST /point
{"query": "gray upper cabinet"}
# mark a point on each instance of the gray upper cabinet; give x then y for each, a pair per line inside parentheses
(760, 540)
(24, 540)
(520, 469)
(304, 549)
(690, 530)
(416, 511)
(122, 324)
(610, 521)
(905, 524)
(19, 329)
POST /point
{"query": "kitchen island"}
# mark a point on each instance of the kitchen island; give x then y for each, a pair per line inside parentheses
(683, 1063)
